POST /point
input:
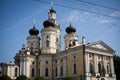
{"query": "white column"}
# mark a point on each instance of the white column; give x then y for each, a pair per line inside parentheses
(112, 66)
(87, 63)
(105, 65)
(24, 66)
(96, 63)
(21, 66)
(27, 67)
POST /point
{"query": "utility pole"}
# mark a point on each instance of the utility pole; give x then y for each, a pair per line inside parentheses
(84, 63)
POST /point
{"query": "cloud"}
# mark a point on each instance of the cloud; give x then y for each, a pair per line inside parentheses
(115, 14)
(77, 16)
(104, 20)
(113, 29)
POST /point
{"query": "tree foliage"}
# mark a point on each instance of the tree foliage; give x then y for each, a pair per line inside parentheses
(102, 71)
(117, 66)
(68, 78)
(21, 77)
(5, 77)
(39, 78)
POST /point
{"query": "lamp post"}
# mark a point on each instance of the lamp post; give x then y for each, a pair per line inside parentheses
(84, 63)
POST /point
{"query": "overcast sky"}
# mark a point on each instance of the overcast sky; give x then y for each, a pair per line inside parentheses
(16, 18)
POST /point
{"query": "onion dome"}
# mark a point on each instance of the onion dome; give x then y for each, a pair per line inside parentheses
(52, 11)
(48, 23)
(70, 29)
(34, 31)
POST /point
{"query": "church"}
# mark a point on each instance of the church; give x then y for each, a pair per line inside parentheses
(42, 56)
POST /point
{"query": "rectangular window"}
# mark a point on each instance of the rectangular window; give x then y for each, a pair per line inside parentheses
(99, 57)
(90, 55)
(39, 71)
(57, 40)
(47, 43)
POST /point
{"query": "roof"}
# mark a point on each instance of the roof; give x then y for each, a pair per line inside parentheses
(101, 45)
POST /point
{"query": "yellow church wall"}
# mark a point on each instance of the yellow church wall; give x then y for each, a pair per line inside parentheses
(78, 60)
(43, 65)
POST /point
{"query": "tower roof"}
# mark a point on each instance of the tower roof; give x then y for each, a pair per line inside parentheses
(52, 10)
(34, 31)
(70, 29)
(48, 23)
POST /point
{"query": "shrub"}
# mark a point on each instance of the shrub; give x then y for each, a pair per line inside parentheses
(39, 78)
(5, 77)
(21, 77)
(68, 78)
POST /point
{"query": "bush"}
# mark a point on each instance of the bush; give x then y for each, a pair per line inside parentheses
(39, 78)
(21, 77)
(5, 77)
(68, 78)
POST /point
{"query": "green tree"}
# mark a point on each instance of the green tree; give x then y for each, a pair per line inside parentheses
(21, 77)
(103, 71)
(5, 77)
(117, 66)
(68, 78)
(39, 78)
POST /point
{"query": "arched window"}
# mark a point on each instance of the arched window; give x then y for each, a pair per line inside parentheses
(16, 71)
(91, 67)
(33, 72)
(46, 72)
(47, 43)
(39, 71)
(74, 43)
(74, 68)
(31, 50)
(56, 71)
(108, 69)
(61, 71)
(57, 40)
(99, 68)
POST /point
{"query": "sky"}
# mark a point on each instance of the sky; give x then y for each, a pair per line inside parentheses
(16, 18)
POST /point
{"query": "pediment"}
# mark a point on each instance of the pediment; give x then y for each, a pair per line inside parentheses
(101, 45)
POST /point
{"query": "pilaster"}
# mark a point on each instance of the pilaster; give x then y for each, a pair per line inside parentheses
(96, 63)
(112, 67)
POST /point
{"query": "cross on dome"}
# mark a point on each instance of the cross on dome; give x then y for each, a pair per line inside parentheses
(34, 22)
(51, 5)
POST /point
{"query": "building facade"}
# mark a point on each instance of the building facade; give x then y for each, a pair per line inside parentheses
(79, 60)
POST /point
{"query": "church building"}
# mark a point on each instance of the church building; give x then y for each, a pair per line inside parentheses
(42, 56)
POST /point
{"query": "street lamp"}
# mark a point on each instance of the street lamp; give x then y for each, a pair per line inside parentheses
(98, 76)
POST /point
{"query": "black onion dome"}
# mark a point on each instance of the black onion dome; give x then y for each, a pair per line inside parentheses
(34, 31)
(48, 23)
(52, 11)
(70, 29)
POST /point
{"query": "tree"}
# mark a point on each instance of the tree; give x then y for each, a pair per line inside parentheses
(39, 78)
(103, 71)
(5, 77)
(68, 78)
(21, 77)
(117, 66)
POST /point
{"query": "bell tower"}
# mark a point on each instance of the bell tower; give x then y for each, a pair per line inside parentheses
(51, 37)
(33, 41)
(71, 39)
